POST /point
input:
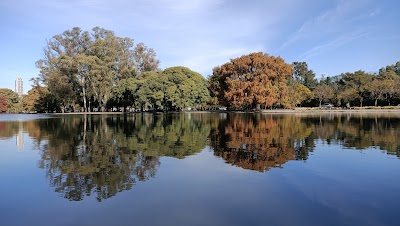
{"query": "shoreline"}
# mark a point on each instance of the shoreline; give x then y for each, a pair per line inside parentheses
(274, 111)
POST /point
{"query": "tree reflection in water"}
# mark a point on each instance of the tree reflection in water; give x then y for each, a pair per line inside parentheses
(260, 142)
(102, 155)
(105, 155)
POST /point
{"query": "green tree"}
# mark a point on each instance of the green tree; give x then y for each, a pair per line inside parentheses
(391, 68)
(187, 88)
(304, 76)
(299, 93)
(145, 59)
(59, 69)
(80, 67)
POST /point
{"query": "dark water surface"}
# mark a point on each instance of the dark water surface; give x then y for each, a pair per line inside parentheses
(200, 169)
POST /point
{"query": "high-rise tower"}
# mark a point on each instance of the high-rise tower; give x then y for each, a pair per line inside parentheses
(19, 86)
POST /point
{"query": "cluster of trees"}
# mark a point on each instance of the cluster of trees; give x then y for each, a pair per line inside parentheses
(84, 70)
(362, 88)
(258, 81)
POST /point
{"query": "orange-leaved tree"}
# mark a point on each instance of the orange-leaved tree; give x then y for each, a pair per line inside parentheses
(251, 81)
(3, 104)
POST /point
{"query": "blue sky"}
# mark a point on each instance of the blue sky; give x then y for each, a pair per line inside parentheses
(332, 36)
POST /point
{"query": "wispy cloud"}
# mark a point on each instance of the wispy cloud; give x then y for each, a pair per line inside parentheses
(333, 44)
(334, 21)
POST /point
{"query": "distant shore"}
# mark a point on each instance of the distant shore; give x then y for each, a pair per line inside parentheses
(317, 110)
(272, 111)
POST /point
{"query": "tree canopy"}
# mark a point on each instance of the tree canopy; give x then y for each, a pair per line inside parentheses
(251, 81)
(304, 76)
(3, 104)
(10, 102)
(81, 67)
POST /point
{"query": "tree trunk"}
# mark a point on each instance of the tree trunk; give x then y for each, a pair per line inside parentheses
(320, 102)
(84, 133)
(376, 102)
(84, 99)
(361, 102)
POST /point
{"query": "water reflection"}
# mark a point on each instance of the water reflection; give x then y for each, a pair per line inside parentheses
(101, 155)
(260, 142)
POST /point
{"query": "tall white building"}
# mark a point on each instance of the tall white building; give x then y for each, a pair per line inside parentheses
(19, 86)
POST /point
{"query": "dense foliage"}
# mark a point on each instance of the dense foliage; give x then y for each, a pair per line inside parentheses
(10, 101)
(251, 81)
(99, 71)
(175, 88)
(3, 104)
(258, 80)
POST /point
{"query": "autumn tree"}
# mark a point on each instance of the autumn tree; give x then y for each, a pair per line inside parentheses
(251, 81)
(323, 92)
(3, 104)
(14, 104)
(30, 99)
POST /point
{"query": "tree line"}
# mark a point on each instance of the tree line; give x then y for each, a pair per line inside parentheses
(84, 71)
(258, 81)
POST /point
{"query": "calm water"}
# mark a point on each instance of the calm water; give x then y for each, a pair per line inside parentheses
(200, 169)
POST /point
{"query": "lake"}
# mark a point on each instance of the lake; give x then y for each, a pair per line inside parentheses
(200, 169)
